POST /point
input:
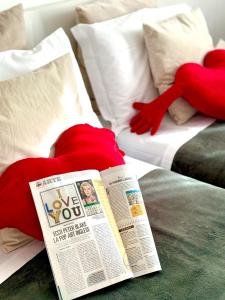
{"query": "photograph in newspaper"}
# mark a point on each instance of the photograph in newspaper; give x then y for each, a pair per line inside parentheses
(84, 246)
(89, 197)
(135, 202)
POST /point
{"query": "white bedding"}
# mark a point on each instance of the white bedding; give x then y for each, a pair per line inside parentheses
(13, 261)
(160, 149)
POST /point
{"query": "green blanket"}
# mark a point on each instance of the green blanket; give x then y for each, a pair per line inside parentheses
(203, 157)
(188, 222)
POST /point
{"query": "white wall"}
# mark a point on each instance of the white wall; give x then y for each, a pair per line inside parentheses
(42, 17)
(214, 11)
(27, 4)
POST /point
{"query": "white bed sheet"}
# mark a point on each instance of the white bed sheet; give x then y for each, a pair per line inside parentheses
(161, 148)
(13, 261)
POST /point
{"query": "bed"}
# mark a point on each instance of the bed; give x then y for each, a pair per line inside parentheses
(187, 221)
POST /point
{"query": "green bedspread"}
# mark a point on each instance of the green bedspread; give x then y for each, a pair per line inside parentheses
(188, 222)
(203, 157)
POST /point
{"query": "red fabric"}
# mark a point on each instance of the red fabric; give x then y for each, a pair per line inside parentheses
(202, 86)
(78, 148)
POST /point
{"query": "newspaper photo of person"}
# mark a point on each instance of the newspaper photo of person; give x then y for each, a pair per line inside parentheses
(88, 194)
(89, 197)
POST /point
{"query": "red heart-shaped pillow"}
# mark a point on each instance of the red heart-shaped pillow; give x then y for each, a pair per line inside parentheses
(78, 148)
(202, 86)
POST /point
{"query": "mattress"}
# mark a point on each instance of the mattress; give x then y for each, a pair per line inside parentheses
(161, 148)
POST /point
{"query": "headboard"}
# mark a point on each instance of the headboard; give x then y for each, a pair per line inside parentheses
(42, 17)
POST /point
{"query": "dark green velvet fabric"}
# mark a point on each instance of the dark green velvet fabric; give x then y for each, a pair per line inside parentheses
(188, 222)
(203, 157)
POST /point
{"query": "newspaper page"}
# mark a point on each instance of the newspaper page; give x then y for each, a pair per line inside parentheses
(129, 211)
(84, 246)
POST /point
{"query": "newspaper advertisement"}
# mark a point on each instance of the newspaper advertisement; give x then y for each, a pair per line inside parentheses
(84, 246)
(132, 221)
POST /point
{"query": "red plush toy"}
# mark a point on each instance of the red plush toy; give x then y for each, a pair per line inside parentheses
(80, 147)
(202, 86)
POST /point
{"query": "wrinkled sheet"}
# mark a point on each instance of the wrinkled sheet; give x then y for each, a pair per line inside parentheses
(203, 157)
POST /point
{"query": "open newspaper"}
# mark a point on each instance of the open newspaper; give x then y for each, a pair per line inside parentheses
(95, 228)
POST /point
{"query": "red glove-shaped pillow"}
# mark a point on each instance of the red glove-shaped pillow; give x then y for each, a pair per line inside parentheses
(78, 148)
(202, 86)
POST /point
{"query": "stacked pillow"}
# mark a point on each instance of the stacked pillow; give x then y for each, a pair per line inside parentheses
(11, 23)
(123, 61)
(116, 59)
(65, 90)
(101, 10)
(42, 94)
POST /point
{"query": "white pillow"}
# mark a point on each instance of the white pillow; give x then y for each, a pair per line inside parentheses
(16, 62)
(220, 44)
(117, 63)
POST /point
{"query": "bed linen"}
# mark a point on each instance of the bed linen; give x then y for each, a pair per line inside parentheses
(195, 149)
(161, 148)
(13, 261)
(203, 157)
(188, 227)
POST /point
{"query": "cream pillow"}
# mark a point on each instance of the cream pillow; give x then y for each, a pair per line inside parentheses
(12, 23)
(12, 238)
(36, 108)
(171, 43)
(15, 63)
(101, 10)
(12, 29)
